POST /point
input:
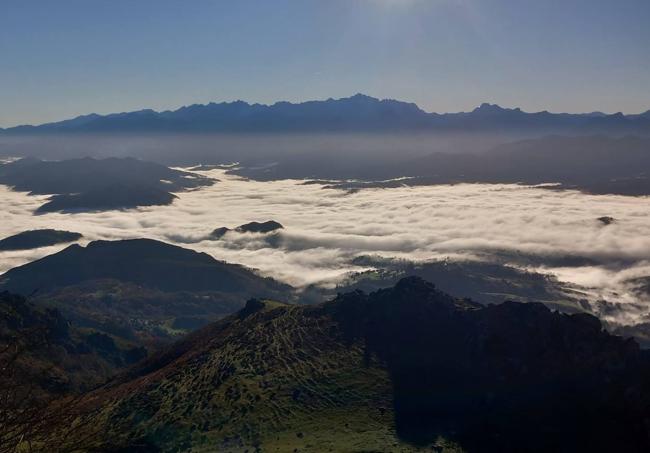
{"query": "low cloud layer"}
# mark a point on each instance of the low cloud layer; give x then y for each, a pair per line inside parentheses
(325, 229)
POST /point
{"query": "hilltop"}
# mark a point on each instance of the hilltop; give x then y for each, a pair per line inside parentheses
(140, 289)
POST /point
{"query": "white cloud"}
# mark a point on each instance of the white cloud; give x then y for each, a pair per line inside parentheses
(325, 229)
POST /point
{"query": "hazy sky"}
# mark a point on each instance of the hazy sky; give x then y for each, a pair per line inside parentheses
(68, 57)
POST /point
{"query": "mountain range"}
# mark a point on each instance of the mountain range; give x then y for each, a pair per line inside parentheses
(359, 113)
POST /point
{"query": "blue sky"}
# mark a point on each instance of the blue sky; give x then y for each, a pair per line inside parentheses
(62, 58)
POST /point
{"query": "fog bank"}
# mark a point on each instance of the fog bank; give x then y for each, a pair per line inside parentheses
(325, 229)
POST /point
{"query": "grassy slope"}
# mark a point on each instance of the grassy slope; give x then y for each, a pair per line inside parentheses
(389, 371)
(280, 379)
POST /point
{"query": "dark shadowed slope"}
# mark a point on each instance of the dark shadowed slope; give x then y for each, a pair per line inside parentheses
(37, 238)
(398, 369)
(45, 366)
(39, 347)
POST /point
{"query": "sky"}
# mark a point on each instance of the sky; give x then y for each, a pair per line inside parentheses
(59, 59)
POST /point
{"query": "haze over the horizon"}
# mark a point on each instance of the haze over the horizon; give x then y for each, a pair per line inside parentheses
(63, 59)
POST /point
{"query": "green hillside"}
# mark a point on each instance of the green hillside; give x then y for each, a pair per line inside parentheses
(402, 369)
(277, 378)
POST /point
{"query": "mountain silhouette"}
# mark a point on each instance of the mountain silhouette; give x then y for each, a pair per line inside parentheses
(356, 113)
(37, 238)
(143, 261)
(251, 227)
(111, 196)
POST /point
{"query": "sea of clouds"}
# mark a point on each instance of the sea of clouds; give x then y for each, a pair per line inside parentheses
(325, 229)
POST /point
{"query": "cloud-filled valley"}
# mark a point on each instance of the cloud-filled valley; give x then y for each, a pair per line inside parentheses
(325, 229)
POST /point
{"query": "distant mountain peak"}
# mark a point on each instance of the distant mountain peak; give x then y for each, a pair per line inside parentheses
(487, 108)
(361, 97)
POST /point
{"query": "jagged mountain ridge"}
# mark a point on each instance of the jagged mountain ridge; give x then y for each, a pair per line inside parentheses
(356, 113)
(404, 368)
